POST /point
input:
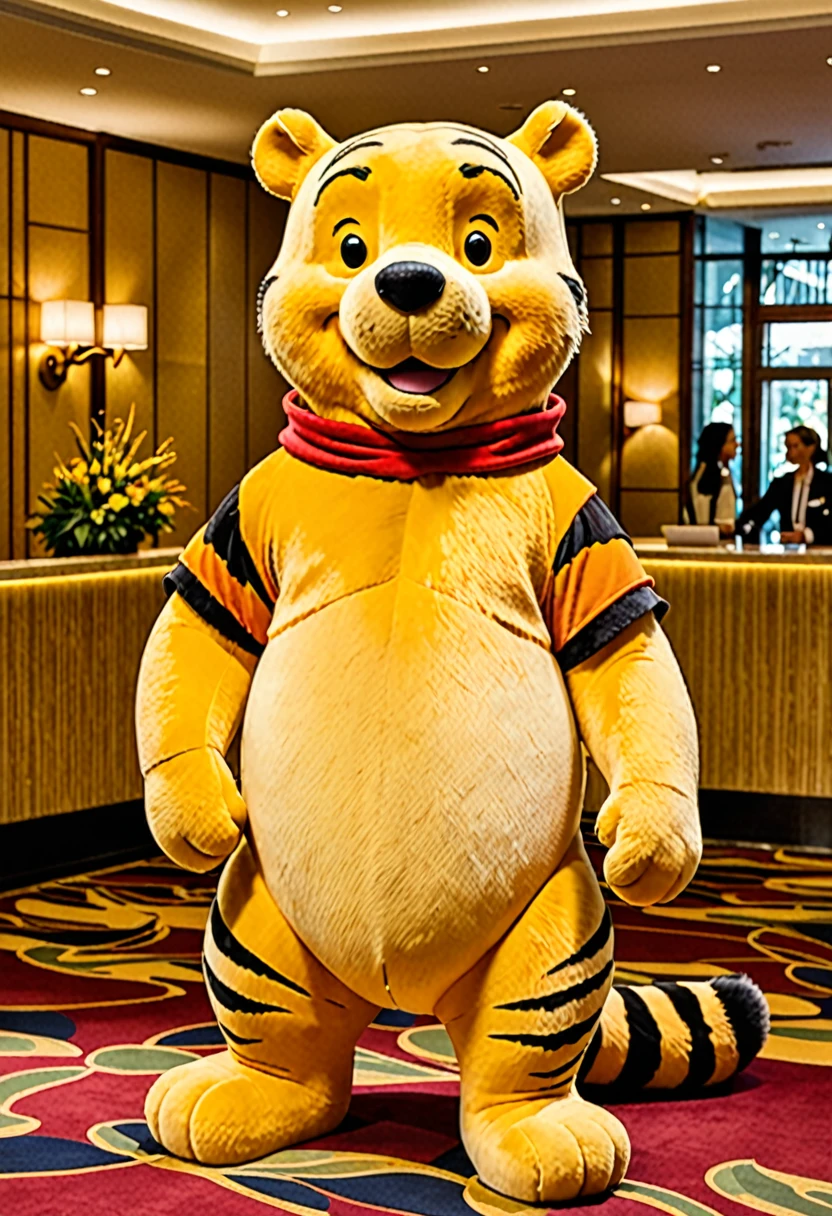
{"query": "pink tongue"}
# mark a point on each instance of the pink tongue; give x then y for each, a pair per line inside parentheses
(418, 381)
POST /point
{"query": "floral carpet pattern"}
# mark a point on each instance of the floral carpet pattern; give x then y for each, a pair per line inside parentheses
(102, 990)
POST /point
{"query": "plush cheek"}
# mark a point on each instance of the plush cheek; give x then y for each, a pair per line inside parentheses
(544, 334)
(300, 332)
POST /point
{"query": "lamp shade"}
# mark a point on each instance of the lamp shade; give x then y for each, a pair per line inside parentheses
(125, 327)
(67, 323)
(641, 413)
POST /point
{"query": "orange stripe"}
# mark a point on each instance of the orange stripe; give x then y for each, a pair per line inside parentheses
(242, 602)
(594, 579)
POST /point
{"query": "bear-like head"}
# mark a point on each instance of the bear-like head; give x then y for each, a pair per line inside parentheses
(424, 281)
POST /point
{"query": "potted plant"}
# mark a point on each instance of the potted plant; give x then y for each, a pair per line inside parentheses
(106, 500)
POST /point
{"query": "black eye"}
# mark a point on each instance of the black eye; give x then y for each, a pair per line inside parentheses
(353, 251)
(477, 248)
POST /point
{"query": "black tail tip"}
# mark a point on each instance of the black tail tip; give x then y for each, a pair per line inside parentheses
(747, 1011)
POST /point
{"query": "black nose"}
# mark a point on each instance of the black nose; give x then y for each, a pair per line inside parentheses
(409, 286)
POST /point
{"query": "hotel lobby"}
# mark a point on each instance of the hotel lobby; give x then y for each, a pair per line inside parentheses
(137, 392)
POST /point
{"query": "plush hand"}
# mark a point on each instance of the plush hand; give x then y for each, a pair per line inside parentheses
(654, 840)
(193, 807)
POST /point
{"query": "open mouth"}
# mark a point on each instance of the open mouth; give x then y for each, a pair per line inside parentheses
(414, 376)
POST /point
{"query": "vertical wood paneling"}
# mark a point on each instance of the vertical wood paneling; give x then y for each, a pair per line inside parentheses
(128, 279)
(5, 428)
(266, 388)
(5, 218)
(181, 331)
(58, 269)
(594, 396)
(58, 183)
(18, 243)
(19, 361)
(228, 303)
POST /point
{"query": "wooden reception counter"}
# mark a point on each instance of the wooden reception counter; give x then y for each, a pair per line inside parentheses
(751, 631)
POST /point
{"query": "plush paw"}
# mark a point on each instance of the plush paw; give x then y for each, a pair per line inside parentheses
(194, 809)
(548, 1152)
(220, 1112)
(654, 840)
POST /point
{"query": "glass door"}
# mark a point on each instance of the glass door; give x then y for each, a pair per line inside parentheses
(796, 377)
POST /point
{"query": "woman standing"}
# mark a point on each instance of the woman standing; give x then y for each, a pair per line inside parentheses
(711, 497)
(803, 498)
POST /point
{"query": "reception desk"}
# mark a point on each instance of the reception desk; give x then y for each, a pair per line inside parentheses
(751, 631)
(752, 634)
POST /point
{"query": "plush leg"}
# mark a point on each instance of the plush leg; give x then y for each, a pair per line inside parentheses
(291, 1029)
(520, 1022)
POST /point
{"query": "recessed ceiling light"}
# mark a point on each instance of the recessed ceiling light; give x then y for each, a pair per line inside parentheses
(717, 160)
(334, 8)
(483, 67)
(102, 71)
(774, 236)
(88, 92)
(569, 92)
(829, 61)
(821, 226)
(645, 206)
(714, 67)
(282, 12)
(616, 202)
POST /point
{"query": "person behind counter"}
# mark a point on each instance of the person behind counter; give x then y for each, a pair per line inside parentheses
(711, 497)
(802, 498)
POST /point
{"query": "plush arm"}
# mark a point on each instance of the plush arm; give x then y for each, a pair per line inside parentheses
(637, 722)
(192, 689)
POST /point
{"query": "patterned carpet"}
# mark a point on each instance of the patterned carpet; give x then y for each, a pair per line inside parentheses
(101, 991)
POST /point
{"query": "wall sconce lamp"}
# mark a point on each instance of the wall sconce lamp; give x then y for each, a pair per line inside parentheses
(68, 329)
(641, 413)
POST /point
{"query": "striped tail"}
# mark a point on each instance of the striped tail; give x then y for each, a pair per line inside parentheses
(681, 1036)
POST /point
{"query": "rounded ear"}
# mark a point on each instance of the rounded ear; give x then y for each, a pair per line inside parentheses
(285, 149)
(561, 143)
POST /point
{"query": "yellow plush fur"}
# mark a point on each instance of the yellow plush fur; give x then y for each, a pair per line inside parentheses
(407, 831)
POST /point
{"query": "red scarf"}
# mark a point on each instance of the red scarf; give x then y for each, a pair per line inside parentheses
(490, 447)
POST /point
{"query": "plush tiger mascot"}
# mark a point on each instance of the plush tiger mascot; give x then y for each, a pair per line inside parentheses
(417, 609)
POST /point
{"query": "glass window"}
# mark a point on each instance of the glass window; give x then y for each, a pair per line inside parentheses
(793, 234)
(717, 351)
(787, 404)
(718, 236)
(797, 344)
(796, 281)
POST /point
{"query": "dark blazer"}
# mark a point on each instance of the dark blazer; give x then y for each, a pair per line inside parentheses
(778, 497)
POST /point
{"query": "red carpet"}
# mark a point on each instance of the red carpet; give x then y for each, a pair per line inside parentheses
(102, 990)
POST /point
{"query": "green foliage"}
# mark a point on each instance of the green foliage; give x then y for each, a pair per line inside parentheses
(105, 500)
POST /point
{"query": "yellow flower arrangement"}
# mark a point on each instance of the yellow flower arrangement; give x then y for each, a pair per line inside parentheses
(105, 500)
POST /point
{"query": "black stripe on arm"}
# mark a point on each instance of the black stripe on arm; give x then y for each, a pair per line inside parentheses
(204, 604)
(702, 1054)
(235, 1002)
(601, 630)
(224, 534)
(556, 1000)
(644, 1053)
(594, 524)
(236, 1038)
(599, 938)
(227, 944)
(553, 1042)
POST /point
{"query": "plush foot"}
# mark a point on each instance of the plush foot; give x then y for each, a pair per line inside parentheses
(220, 1112)
(547, 1151)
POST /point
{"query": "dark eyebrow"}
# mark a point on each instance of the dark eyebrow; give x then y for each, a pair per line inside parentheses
(362, 143)
(486, 219)
(487, 146)
(476, 170)
(341, 223)
(362, 172)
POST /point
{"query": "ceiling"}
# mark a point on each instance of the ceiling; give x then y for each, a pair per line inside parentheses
(205, 82)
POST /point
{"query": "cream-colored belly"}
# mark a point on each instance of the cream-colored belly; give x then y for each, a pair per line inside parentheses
(413, 777)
